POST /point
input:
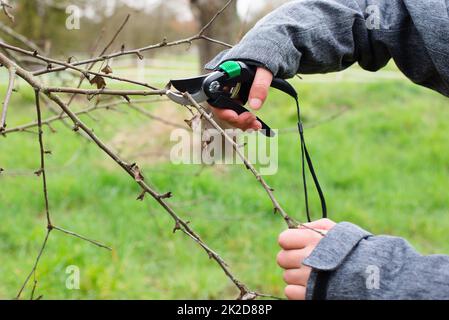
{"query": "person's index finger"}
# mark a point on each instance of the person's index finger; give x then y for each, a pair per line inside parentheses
(228, 115)
(259, 88)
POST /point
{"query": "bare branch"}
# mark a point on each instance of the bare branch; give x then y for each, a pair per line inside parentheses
(67, 65)
(93, 92)
(12, 77)
(27, 42)
(42, 173)
(107, 106)
(73, 234)
(204, 29)
(154, 117)
(138, 52)
(5, 6)
(105, 49)
(43, 152)
(36, 263)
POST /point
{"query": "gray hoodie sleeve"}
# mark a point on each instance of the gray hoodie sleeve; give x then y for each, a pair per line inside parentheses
(362, 266)
(320, 36)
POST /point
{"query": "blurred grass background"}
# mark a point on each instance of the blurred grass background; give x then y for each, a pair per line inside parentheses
(383, 163)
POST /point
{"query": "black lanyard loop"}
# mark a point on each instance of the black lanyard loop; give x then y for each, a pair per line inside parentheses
(305, 157)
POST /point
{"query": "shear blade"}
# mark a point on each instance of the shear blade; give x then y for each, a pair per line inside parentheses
(177, 97)
(190, 85)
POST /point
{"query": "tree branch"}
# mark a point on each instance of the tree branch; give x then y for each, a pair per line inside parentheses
(17, 36)
(12, 78)
(5, 6)
(107, 106)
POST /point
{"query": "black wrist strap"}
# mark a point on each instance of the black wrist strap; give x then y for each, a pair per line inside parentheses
(321, 285)
(305, 157)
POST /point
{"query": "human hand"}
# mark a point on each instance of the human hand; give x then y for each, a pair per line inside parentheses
(297, 245)
(257, 96)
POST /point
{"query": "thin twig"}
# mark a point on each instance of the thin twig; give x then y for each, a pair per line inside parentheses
(138, 52)
(5, 6)
(43, 152)
(219, 12)
(154, 117)
(36, 263)
(63, 116)
(12, 78)
(42, 172)
(19, 37)
(73, 234)
(95, 92)
(73, 66)
(105, 49)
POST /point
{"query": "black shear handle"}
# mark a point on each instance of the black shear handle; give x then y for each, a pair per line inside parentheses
(227, 103)
(285, 87)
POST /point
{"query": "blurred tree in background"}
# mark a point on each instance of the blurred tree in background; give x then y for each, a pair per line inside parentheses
(224, 28)
(44, 21)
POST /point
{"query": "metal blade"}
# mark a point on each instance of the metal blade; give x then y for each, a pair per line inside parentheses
(198, 96)
(190, 85)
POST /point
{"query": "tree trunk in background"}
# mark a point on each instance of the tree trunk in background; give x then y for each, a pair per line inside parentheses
(225, 28)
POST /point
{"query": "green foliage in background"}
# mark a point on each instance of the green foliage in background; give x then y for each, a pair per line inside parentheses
(383, 163)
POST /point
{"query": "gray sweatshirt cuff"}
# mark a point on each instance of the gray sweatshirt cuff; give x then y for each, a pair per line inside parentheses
(336, 246)
(266, 53)
(332, 250)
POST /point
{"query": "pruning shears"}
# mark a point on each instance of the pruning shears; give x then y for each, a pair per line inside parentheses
(227, 87)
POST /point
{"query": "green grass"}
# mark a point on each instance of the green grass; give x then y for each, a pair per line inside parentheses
(383, 163)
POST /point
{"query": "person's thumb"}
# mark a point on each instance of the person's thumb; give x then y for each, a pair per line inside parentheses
(259, 89)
